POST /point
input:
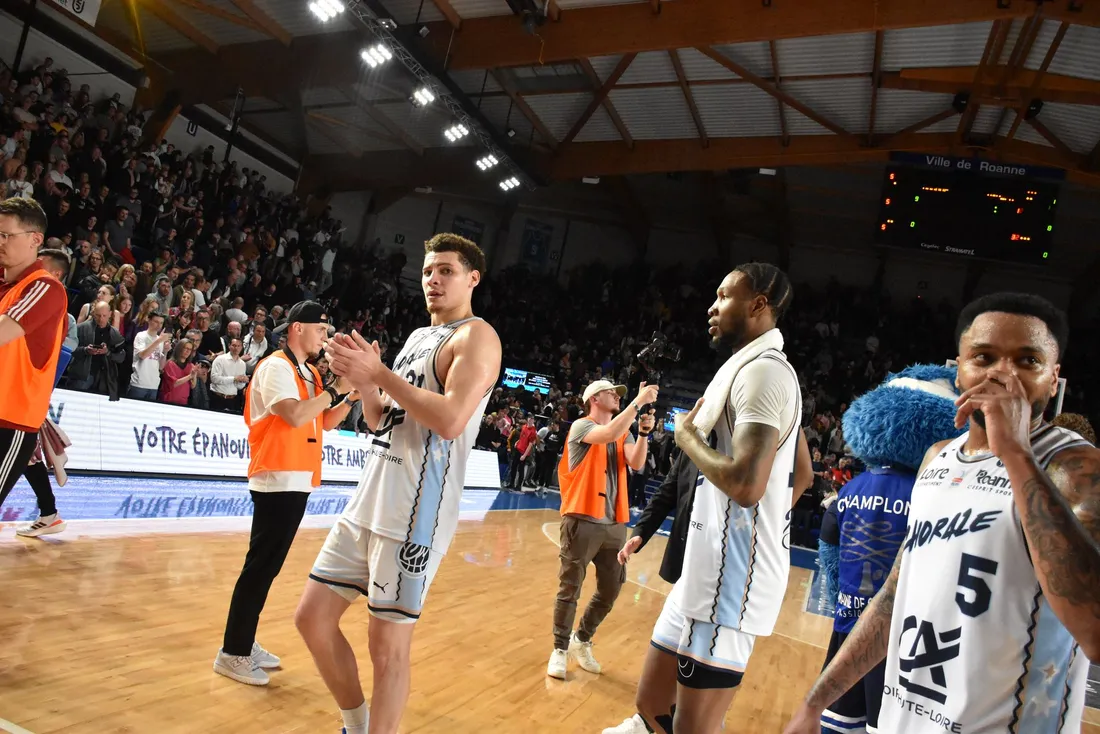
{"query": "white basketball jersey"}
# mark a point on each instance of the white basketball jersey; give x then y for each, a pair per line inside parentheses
(974, 645)
(738, 558)
(412, 479)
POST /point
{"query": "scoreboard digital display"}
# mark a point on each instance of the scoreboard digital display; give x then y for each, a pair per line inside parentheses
(529, 381)
(979, 210)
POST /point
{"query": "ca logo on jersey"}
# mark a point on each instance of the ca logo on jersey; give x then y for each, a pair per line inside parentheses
(929, 650)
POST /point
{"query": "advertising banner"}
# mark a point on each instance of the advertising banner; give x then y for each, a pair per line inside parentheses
(137, 437)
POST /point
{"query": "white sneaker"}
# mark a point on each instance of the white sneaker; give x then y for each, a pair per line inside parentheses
(633, 725)
(45, 525)
(559, 661)
(263, 658)
(582, 651)
(241, 668)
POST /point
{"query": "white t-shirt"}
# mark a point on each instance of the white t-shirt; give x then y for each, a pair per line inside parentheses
(146, 374)
(273, 382)
(327, 260)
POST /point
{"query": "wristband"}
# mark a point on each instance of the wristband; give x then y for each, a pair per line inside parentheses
(637, 409)
(643, 434)
(333, 394)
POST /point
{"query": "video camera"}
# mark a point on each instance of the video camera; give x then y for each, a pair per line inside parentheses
(659, 348)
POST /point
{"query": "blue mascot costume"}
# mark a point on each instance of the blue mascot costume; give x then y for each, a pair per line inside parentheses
(889, 429)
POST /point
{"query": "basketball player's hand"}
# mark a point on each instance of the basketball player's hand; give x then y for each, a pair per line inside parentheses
(804, 721)
(629, 549)
(647, 394)
(1003, 402)
(685, 423)
(354, 359)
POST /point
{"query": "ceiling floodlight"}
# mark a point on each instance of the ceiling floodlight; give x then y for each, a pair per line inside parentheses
(423, 97)
(487, 162)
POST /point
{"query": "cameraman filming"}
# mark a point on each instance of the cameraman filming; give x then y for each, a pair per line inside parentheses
(592, 475)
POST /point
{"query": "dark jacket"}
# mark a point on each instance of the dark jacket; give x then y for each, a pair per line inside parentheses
(81, 366)
(676, 494)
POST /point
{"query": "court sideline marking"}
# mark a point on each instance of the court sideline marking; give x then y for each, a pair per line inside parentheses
(553, 540)
(11, 728)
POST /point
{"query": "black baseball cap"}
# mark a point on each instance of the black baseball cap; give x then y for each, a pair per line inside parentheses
(308, 312)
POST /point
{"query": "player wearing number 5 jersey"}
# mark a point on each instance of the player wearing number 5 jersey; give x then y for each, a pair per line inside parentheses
(424, 415)
(992, 610)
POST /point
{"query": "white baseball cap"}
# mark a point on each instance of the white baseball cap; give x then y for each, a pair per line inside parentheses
(599, 386)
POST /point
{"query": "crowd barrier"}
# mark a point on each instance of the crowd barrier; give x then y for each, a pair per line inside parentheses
(137, 437)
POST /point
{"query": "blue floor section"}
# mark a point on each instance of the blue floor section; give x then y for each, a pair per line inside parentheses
(110, 497)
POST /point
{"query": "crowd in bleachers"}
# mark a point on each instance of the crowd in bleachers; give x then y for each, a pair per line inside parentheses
(183, 268)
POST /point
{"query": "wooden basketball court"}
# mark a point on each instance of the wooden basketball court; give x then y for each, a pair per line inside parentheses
(119, 635)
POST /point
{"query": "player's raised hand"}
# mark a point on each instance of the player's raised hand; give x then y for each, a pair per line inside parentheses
(1005, 412)
(685, 422)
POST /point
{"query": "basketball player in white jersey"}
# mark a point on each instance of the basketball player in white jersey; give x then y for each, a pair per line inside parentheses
(737, 556)
(992, 610)
(425, 414)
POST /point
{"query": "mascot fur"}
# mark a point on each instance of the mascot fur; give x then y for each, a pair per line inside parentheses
(889, 429)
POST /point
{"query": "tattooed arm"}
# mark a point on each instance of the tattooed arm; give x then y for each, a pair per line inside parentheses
(865, 647)
(743, 477)
(1060, 513)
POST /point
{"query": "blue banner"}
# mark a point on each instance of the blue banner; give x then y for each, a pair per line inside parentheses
(977, 165)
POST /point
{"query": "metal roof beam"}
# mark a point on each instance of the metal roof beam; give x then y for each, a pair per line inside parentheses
(994, 45)
(876, 82)
(949, 80)
(599, 97)
(178, 23)
(504, 79)
(268, 24)
(778, 81)
(1037, 82)
(217, 12)
(584, 32)
(616, 120)
(681, 79)
(773, 90)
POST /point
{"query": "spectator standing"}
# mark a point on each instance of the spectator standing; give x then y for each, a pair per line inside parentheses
(178, 374)
(100, 350)
(200, 390)
(211, 344)
(256, 346)
(228, 378)
(150, 347)
(521, 452)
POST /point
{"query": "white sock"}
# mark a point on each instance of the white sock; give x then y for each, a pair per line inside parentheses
(355, 720)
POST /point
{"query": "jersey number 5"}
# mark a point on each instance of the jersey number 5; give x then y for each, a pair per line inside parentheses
(969, 569)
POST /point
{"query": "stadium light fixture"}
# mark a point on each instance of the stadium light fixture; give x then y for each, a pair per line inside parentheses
(509, 183)
(326, 10)
(487, 162)
(423, 97)
(376, 55)
(456, 132)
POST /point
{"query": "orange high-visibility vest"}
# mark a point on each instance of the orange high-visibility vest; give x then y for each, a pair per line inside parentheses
(584, 489)
(24, 388)
(275, 444)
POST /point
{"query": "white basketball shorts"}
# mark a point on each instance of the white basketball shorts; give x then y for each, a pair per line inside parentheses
(708, 655)
(394, 576)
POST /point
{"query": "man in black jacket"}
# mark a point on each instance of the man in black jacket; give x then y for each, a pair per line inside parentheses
(676, 492)
(658, 681)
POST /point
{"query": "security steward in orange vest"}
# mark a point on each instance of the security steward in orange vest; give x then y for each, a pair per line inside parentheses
(592, 476)
(287, 410)
(33, 322)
